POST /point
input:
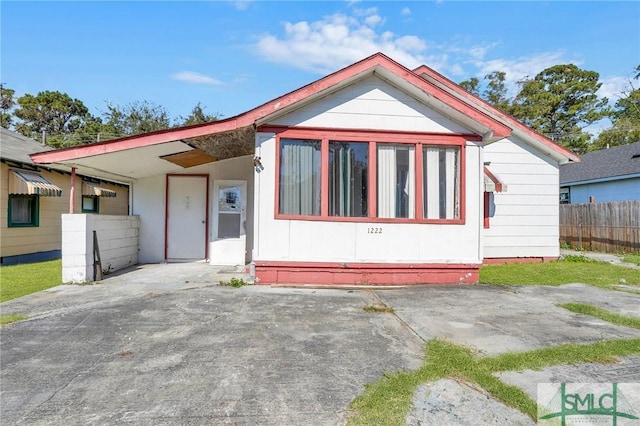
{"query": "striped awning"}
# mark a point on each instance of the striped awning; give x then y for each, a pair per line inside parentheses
(24, 182)
(93, 189)
(492, 183)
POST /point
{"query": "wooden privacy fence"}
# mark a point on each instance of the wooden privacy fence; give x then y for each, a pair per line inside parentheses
(606, 227)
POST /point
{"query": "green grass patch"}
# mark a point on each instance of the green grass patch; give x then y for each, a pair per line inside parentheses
(603, 314)
(389, 400)
(20, 280)
(11, 318)
(379, 308)
(234, 282)
(631, 258)
(572, 269)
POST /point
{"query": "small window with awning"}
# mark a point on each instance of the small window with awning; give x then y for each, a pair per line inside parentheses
(24, 182)
(91, 189)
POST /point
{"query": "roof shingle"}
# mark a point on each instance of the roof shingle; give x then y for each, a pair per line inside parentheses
(617, 161)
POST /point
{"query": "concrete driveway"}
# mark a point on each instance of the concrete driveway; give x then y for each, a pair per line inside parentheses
(166, 345)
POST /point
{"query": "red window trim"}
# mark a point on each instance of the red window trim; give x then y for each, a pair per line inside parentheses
(373, 138)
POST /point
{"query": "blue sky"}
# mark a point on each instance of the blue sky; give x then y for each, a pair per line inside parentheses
(234, 55)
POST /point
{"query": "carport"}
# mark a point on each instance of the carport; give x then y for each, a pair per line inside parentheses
(190, 195)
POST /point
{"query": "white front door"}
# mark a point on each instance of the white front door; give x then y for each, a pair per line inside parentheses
(186, 217)
(228, 245)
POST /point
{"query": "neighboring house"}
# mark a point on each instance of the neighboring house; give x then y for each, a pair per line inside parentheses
(33, 198)
(611, 174)
(375, 174)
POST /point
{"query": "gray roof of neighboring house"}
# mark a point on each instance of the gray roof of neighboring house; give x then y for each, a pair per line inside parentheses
(620, 161)
(14, 146)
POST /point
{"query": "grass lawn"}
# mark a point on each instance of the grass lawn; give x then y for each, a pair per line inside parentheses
(20, 280)
(632, 258)
(388, 401)
(11, 318)
(572, 269)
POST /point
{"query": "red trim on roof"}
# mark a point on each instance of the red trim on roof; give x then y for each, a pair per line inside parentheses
(423, 69)
(249, 118)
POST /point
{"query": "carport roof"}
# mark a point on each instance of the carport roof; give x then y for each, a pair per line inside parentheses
(232, 137)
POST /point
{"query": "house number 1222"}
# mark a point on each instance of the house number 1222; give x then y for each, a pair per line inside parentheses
(374, 230)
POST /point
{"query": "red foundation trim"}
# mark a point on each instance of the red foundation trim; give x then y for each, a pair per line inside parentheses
(502, 260)
(330, 273)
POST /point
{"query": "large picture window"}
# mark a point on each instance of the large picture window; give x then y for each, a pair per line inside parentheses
(370, 176)
(23, 211)
(300, 163)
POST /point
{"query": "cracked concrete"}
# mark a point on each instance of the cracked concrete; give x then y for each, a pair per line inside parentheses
(165, 345)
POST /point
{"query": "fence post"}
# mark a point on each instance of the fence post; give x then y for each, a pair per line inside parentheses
(580, 236)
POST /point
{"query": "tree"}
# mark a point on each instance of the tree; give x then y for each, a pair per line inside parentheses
(55, 113)
(6, 104)
(472, 86)
(496, 91)
(135, 118)
(625, 119)
(560, 102)
(198, 116)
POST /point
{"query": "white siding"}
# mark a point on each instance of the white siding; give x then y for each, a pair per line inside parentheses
(370, 103)
(525, 218)
(316, 241)
(149, 203)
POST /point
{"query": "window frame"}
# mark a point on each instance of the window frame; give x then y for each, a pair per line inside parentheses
(96, 205)
(35, 211)
(373, 138)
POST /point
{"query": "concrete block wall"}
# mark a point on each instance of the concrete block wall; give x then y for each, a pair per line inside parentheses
(117, 241)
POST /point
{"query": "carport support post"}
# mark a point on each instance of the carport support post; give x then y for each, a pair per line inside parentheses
(72, 191)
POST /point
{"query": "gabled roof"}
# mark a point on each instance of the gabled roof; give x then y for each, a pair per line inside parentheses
(538, 141)
(618, 162)
(470, 115)
(16, 147)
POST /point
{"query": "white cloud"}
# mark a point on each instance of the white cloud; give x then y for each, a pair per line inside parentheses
(195, 77)
(520, 68)
(337, 40)
(241, 4)
(613, 88)
(405, 11)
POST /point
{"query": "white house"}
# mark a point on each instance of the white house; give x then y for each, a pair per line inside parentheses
(375, 174)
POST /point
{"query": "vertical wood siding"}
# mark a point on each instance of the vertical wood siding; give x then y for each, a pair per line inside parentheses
(609, 227)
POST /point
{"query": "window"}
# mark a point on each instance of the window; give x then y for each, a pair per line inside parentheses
(300, 177)
(370, 176)
(90, 204)
(348, 179)
(441, 175)
(23, 210)
(396, 181)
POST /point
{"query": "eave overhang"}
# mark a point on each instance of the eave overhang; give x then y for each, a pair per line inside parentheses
(103, 158)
